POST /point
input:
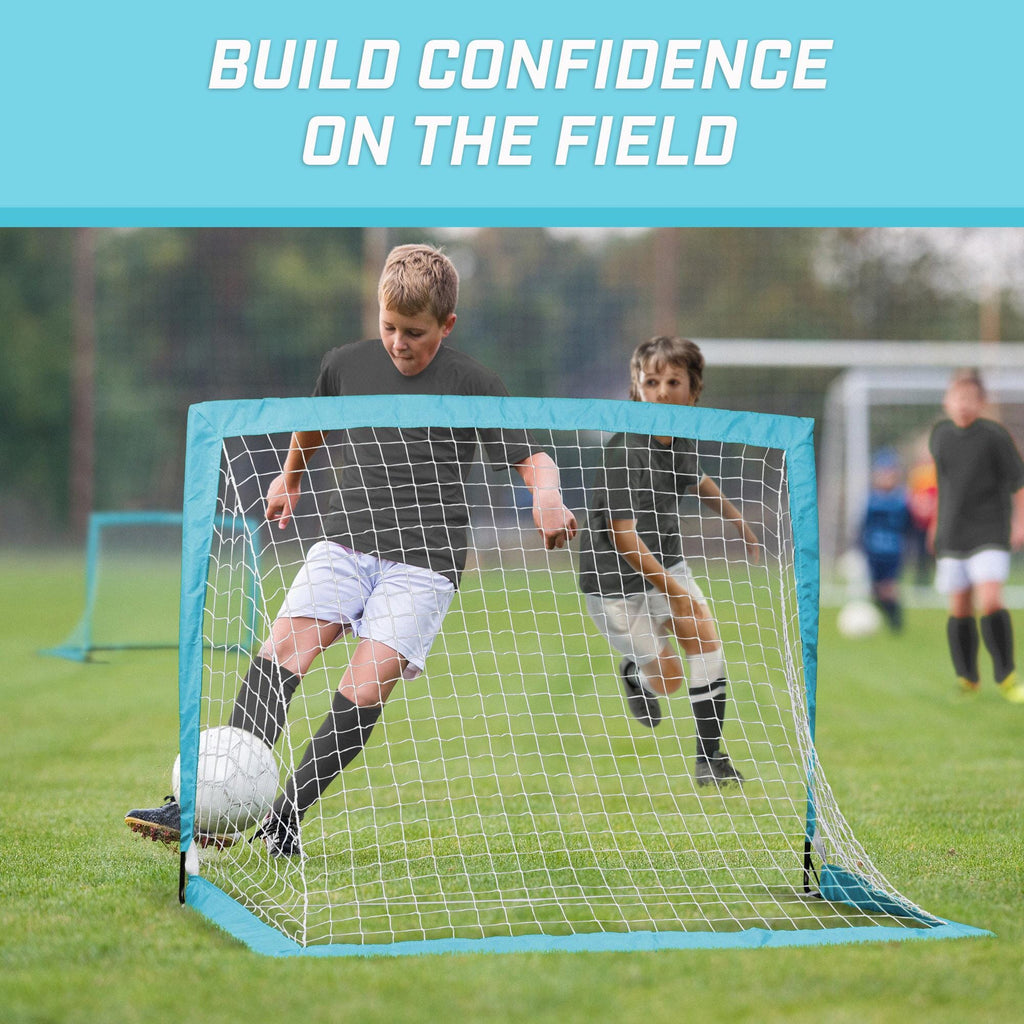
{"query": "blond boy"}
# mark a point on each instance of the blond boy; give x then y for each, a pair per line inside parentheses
(395, 537)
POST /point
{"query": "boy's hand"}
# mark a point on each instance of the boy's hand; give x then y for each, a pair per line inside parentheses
(282, 497)
(556, 523)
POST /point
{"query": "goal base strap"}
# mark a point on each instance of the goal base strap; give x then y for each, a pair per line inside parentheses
(214, 904)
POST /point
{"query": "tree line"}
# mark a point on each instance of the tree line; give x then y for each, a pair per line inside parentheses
(186, 315)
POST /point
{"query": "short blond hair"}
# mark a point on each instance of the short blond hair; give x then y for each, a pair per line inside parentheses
(419, 278)
(661, 351)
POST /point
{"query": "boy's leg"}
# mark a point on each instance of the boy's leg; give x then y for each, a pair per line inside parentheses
(705, 671)
(886, 594)
(708, 695)
(962, 636)
(644, 683)
(368, 681)
(666, 674)
(261, 704)
(997, 633)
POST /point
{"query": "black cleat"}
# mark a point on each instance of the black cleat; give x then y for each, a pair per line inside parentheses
(163, 825)
(280, 836)
(716, 770)
(643, 706)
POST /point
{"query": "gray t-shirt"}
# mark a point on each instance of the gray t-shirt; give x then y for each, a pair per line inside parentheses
(978, 469)
(639, 478)
(401, 493)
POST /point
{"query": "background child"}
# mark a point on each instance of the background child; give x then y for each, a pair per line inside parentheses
(639, 590)
(884, 533)
(397, 533)
(981, 517)
(923, 502)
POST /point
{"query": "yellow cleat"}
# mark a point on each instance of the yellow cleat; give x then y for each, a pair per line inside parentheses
(968, 685)
(1012, 689)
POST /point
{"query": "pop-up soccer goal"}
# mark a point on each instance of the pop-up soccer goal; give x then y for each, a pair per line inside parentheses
(507, 800)
(133, 585)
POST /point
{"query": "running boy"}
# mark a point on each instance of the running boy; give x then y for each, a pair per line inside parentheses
(639, 590)
(396, 538)
(981, 517)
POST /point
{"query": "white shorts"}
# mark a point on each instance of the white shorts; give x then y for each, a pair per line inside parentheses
(637, 625)
(956, 574)
(396, 604)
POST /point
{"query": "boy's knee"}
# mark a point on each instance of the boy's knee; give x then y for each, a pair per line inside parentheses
(368, 694)
(666, 671)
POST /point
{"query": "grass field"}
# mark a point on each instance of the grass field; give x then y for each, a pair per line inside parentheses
(90, 928)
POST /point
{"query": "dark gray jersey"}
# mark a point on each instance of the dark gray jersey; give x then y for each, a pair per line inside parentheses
(401, 492)
(639, 478)
(978, 469)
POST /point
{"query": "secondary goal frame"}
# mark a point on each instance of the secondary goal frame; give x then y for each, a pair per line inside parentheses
(80, 644)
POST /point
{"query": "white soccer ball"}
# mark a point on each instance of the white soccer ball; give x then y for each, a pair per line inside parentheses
(236, 780)
(859, 619)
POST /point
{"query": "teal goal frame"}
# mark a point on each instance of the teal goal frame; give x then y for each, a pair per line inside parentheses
(210, 423)
(80, 644)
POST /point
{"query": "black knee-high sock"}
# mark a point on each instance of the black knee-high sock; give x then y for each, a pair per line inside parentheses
(261, 705)
(962, 634)
(997, 632)
(720, 701)
(338, 741)
(708, 702)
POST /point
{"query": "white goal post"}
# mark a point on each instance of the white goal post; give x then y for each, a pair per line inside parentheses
(506, 799)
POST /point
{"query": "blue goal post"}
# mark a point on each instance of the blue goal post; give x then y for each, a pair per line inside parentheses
(82, 643)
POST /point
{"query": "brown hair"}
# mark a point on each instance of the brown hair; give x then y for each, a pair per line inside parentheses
(418, 278)
(968, 375)
(663, 350)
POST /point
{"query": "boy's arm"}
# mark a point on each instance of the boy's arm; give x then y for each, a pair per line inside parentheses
(556, 523)
(710, 493)
(1017, 522)
(631, 547)
(284, 490)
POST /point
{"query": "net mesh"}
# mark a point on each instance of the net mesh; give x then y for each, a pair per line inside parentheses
(508, 791)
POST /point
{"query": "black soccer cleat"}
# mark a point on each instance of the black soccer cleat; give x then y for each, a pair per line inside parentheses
(643, 705)
(163, 825)
(280, 836)
(716, 770)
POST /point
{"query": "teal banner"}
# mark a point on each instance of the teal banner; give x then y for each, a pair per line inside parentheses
(652, 112)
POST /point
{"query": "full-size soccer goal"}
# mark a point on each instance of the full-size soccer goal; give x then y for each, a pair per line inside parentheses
(507, 800)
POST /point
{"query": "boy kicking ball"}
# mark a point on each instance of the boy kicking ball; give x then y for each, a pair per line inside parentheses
(395, 541)
(639, 590)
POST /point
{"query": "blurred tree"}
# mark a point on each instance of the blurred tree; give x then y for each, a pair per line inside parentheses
(35, 310)
(188, 315)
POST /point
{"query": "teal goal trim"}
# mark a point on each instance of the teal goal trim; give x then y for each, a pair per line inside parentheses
(81, 644)
(230, 916)
(210, 423)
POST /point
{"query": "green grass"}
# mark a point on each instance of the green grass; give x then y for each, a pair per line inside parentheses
(90, 928)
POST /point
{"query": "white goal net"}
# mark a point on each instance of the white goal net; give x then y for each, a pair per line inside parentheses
(507, 798)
